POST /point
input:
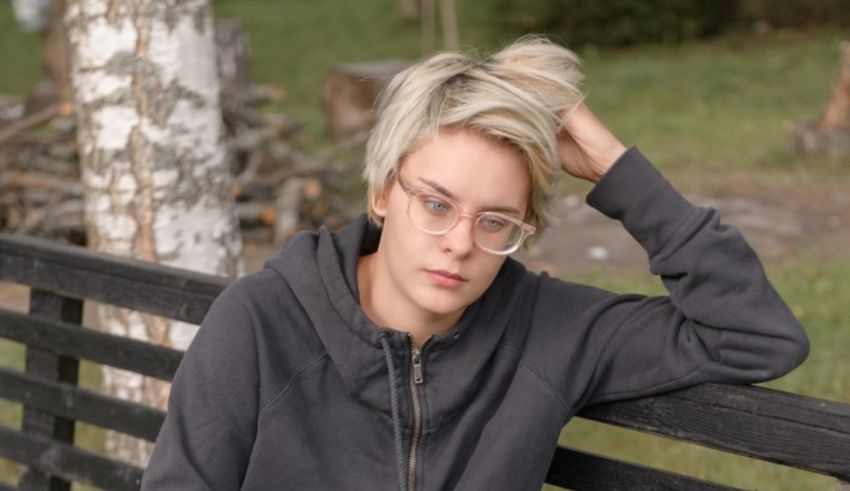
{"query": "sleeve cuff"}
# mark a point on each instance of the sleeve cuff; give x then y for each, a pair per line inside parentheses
(636, 194)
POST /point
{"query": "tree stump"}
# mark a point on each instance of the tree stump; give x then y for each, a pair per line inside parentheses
(829, 135)
(349, 92)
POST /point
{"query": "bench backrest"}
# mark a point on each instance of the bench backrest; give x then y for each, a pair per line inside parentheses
(785, 428)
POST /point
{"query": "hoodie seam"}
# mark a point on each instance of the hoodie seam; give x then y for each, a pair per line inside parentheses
(546, 385)
(289, 384)
(554, 392)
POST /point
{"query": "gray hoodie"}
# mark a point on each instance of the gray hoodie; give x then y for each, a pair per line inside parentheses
(288, 385)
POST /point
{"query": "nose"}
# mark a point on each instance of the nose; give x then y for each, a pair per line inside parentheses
(460, 239)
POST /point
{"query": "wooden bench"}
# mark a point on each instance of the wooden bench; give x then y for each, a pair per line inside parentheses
(788, 429)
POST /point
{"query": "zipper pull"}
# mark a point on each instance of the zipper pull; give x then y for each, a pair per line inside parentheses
(416, 359)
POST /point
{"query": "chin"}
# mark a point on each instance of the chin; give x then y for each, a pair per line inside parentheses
(444, 303)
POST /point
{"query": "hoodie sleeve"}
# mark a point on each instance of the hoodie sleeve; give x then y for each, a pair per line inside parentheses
(208, 433)
(722, 322)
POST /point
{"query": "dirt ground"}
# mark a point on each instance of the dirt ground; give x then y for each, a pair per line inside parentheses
(782, 218)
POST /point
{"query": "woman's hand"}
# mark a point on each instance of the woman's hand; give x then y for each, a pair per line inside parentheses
(586, 147)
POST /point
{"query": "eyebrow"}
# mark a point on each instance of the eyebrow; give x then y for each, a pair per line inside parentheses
(446, 192)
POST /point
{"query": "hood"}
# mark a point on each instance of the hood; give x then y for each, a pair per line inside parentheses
(321, 269)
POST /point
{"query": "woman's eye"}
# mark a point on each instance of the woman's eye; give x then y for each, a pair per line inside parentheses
(492, 224)
(436, 206)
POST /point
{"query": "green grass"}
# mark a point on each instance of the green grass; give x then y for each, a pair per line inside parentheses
(20, 58)
(724, 104)
(11, 356)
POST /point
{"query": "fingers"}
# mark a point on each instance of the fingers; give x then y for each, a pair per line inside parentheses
(581, 119)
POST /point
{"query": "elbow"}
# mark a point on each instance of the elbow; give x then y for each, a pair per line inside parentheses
(791, 352)
(801, 350)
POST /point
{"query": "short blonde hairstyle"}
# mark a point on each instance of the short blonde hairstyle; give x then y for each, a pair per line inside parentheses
(516, 96)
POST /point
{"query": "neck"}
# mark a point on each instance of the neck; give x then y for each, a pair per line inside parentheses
(381, 302)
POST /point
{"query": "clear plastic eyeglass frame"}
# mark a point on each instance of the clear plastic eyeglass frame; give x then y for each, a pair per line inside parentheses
(413, 194)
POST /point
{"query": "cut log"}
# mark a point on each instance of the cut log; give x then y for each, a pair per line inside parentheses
(349, 92)
(407, 10)
(829, 135)
(30, 121)
(837, 113)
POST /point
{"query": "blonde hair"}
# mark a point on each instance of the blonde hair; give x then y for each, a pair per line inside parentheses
(515, 96)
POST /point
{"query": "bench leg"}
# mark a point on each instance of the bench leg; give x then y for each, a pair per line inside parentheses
(49, 366)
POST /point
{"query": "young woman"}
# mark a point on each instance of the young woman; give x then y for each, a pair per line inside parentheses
(409, 350)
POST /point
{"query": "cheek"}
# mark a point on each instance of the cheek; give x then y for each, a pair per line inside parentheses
(405, 245)
(487, 270)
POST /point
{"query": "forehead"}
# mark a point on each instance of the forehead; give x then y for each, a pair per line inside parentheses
(478, 170)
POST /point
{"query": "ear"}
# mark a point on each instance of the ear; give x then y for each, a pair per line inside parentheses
(379, 201)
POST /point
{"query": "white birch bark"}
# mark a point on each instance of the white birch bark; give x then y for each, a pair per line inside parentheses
(156, 179)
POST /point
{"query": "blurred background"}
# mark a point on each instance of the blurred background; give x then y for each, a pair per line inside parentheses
(743, 104)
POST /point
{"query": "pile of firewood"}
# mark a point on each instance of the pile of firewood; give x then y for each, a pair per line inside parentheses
(40, 190)
(278, 188)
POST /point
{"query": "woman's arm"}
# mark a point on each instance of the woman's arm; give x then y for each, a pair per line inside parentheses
(722, 322)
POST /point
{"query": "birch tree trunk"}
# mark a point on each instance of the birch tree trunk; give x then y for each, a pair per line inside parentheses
(156, 178)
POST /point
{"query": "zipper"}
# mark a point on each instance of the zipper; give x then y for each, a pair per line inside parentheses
(416, 378)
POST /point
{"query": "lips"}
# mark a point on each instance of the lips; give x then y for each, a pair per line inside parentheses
(444, 278)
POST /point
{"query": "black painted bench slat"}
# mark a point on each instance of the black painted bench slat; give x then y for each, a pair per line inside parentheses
(576, 469)
(66, 339)
(69, 401)
(68, 462)
(790, 429)
(80, 273)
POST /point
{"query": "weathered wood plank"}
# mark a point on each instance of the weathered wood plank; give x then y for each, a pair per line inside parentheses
(77, 272)
(785, 428)
(773, 403)
(41, 363)
(68, 462)
(117, 351)
(584, 471)
(81, 404)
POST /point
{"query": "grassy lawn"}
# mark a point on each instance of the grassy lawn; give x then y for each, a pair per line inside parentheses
(698, 109)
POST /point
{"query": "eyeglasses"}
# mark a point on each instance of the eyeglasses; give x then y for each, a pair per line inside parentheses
(494, 232)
